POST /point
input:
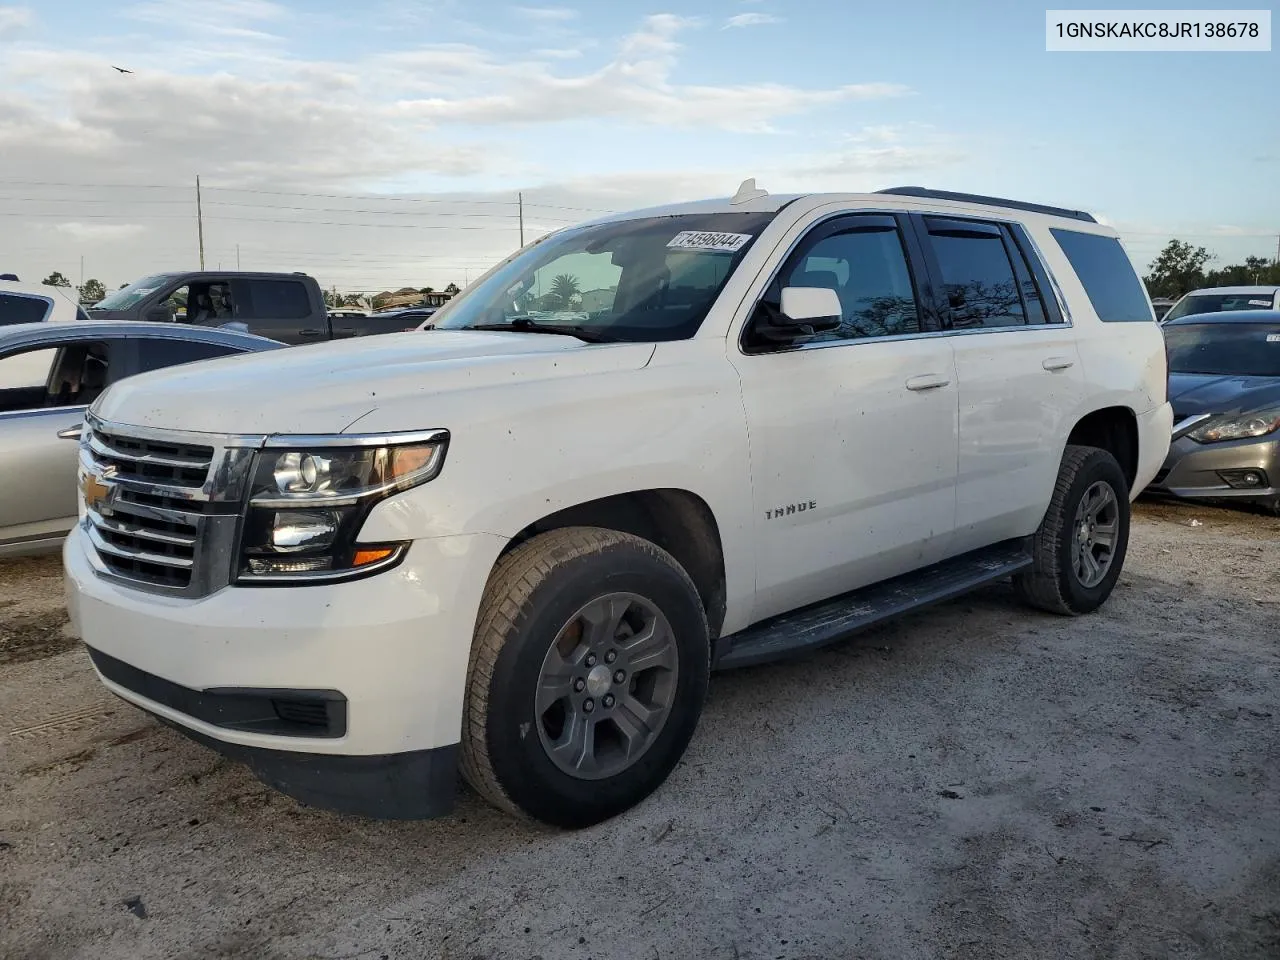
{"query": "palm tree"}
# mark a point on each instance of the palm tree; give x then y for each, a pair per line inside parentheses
(563, 289)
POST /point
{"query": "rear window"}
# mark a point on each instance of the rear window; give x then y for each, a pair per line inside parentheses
(1107, 275)
(17, 308)
(276, 300)
(1220, 303)
(1224, 349)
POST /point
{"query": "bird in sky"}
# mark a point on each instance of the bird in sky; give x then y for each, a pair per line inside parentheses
(121, 69)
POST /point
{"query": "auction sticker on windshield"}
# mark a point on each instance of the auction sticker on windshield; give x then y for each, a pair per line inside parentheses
(1273, 338)
(705, 240)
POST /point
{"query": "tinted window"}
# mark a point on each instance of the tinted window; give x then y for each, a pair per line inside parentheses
(1226, 349)
(275, 300)
(24, 371)
(868, 271)
(977, 275)
(1107, 275)
(154, 354)
(1220, 303)
(16, 308)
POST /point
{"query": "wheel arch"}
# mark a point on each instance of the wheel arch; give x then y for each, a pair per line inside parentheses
(1114, 429)
(679, 521)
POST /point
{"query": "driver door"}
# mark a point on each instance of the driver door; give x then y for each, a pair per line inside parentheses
(853, 431)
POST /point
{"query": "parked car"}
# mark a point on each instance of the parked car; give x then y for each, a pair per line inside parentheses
(36, 303)
(49, 374)
(407, 318)
(519, 545)
(1161, 306)
(1224, 384)
(286, 307)
(1219, 299)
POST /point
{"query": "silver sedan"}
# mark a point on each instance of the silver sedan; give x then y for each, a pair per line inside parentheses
(49, 374)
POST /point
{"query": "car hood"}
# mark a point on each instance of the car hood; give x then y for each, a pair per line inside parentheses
(326, 388)
(1195, 393)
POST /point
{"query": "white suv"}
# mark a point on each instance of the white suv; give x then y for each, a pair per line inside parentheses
(661, 443)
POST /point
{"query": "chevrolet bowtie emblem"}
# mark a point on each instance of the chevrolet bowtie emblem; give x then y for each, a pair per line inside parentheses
(97, 495)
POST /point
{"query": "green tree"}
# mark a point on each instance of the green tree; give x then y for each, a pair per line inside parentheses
(56, 279)
(93, 291)
(1254, 270)
(452, 289)
(426, 290)
(563, 289)
(1178, 269)
(353, 300)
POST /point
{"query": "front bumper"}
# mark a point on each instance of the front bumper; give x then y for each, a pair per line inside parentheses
(393, 647)
(1195, 470)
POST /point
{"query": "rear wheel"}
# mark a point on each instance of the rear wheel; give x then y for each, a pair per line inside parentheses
(1080, 547)
(588, 673)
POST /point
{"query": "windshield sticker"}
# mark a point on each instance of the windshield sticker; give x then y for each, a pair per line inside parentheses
(1259, 303)
(1273, 338)
(702, 240)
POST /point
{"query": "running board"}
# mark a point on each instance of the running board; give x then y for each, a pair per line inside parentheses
(811, 627)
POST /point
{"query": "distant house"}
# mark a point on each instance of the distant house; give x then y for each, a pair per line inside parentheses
(593, 301)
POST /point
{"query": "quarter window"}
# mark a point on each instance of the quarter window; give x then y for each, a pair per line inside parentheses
(155, 353)
(1107, 275)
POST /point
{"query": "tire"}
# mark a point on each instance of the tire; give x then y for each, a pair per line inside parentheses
(534, 633)
(1054, 581)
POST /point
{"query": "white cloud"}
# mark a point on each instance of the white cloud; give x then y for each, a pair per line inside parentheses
(750, 20)
(218, 18)
(13, 20)
(635, 86)
(551, 14)
(89, 232)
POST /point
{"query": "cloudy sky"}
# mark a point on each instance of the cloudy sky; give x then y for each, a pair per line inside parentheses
(381, 144)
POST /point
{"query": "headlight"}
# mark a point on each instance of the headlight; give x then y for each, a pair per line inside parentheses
(1257, 424)
(310, 496)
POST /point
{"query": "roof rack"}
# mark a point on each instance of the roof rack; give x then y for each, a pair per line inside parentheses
(989, 201)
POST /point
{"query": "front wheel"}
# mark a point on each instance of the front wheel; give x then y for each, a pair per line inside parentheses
(1080, 547)
(588, 673)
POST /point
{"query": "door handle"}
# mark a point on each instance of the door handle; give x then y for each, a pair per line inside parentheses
(310, 333)
(1054, 364)
(926, 381)
(71, 433)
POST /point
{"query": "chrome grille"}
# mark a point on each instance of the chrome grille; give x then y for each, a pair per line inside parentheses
(160, 508)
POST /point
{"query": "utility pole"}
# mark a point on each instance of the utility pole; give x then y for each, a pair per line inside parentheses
(237, 257)
(1278, 251)
(199, 221)
(82, 270)
(520, 204)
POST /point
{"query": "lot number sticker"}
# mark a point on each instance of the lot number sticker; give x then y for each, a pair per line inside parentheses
(1273, 338)
(1259, 303)
(700, 240)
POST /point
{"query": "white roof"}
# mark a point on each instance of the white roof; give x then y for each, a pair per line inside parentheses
(1266, 288)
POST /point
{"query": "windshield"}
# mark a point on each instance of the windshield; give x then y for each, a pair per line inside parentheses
(127, 296)
(639, 280)
(1219, 302)
(1225, 349)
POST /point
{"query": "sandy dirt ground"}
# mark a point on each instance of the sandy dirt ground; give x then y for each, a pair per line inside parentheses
(975, 781)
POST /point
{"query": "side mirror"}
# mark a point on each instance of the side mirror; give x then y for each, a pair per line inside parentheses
(815, 307)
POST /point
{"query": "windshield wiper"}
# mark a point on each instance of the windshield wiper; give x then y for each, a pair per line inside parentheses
(527, 325)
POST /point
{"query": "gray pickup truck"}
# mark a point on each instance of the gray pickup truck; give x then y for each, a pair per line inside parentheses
(287, 307)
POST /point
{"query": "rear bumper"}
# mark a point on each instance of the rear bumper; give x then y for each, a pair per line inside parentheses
(1206, 470)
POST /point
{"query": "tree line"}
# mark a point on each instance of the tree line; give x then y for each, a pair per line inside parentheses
(1181, 268)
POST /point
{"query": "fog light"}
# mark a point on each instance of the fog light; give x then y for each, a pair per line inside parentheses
(1243, 479)
(303, 530)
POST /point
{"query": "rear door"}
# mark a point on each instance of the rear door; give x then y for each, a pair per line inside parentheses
(1018, 369)
(279, 308)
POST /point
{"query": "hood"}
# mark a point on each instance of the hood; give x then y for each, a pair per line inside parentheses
(327, 387)
(1194, 393)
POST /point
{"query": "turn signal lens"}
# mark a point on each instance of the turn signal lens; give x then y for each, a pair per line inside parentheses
(365, 557)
